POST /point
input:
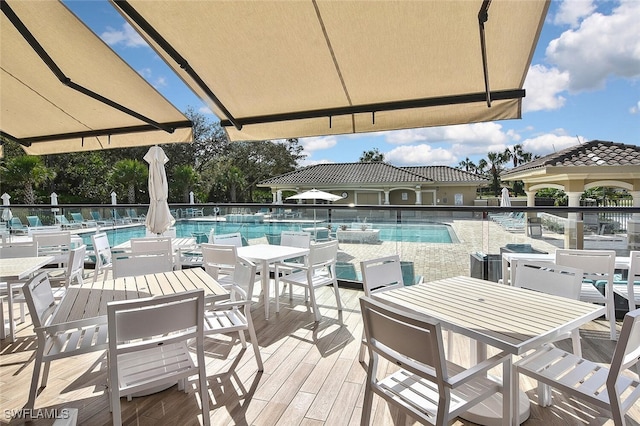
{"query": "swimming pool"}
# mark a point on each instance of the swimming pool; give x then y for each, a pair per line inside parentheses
(421, 233)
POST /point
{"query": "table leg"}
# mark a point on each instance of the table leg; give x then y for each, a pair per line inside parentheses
(491, 411)
(265, 287)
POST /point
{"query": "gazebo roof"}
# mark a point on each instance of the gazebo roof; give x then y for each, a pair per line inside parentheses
(589, 154)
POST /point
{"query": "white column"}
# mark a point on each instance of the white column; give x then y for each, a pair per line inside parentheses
(418, 195)
(531, 202)
(573, 237)
(633, 224)
(386, 197)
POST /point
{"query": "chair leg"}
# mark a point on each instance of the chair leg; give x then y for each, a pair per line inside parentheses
(363, 348)
(204, 389)
(338, 301)
(575, 339)
(3, 334)
(314, 305)
(243, 341)
(254, 343)
(35, 379)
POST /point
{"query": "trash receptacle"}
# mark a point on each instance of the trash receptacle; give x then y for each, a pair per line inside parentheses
(486, 266)
(535, 227)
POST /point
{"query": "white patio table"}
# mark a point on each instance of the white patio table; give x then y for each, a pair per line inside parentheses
(508, 318)
(13, 271)
(622, 262)
(90, 299)
(266, 254)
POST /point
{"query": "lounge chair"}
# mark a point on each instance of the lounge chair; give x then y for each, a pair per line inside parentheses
(134, 216)
(99, 220)
(17, 227)
(34, 221)
(78, 218)
(119, 219)
(64, 222)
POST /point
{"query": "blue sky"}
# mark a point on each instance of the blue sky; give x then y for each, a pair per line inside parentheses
(583, 84)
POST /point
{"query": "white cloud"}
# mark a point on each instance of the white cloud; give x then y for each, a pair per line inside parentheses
(635, 109)
(205, 110)
(145, 73)
(127, 36)
(318, 143)
(548, 143)
(570, 12)
(477, 133)
(602, 46)
(160, 82)
(542, 87)
(419, 155)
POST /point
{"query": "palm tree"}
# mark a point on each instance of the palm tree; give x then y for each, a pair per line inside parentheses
(372, 156)
(28, 172)
(496, 161)
(130, 174)
(482, 165)
(467, 165)
(184, 179)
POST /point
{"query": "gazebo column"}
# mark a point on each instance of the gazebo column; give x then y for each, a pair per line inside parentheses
(633, 224)
(418, 195)
(573, 230)
(531, 202)
(386, 196)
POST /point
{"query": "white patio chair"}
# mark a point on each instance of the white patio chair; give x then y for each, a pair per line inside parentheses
(319, 272)
(219, 261)
(234, 239)
(427, 386)
(56, 244)
(627, 289)
(606, 388)
(298, 239)
(132, 264)
(102, 253)
(151, 245)
(597, 265)
(57, 341)
(12, 251)
(380, 274)
(235, 315)
(148, 346)
(63, 277)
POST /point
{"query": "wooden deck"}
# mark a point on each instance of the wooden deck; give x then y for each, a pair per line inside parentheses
(311, 377)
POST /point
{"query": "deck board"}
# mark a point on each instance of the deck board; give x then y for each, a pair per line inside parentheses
(311, 375)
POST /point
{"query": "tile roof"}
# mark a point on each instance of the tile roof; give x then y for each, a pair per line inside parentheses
(593, 153)
(370, 173)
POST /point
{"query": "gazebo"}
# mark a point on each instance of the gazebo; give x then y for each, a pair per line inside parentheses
(581, 167)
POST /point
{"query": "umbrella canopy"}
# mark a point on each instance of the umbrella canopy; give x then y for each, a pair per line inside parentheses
(505, 201)
(315, 194)
(6, 213)
(382, 65)
(158, 217)
(57, 96)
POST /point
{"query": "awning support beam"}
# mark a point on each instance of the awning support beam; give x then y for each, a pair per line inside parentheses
(95, 133)
(483, 16)
(385, 106)
(145, 26)
(37, 47)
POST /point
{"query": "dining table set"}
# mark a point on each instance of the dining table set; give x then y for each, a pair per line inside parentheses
(493, 316)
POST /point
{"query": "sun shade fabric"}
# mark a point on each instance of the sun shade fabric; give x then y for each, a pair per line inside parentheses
(273, 57)
(34, 103)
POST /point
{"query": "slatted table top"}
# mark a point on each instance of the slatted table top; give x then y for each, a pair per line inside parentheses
(20, 268)
(509, 318)
(90, 300)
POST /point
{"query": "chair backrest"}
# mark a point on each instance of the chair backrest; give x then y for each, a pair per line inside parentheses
(244, 277)
(75, 267)
(325, 253)
(151, 245)
(397, 335)
(40, 299)
(549, 278)
(298, 239)
(96, 215)
(217, 258)
(132, 264)
(101, 249)
(53, 243)
(380, 274)
(633, 273)
(21, 249)
(595, 264)
(77, 217)
(62, 219)
(34, 221)
(16, 223)
(234, 239)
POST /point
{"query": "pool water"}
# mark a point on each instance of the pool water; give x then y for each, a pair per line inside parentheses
(423, 233)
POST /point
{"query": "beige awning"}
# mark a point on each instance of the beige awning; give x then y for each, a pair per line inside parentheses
(48, 117)
(277, 69)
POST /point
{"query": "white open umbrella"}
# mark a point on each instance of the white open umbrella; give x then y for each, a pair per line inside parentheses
(505, 201)
(315, 194)
(158, 218)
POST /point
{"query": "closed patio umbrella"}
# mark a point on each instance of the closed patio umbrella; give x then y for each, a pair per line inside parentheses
(505, 201)
(6, 213)
(158, 218)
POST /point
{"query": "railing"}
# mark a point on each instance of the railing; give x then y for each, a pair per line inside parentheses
(436, 241)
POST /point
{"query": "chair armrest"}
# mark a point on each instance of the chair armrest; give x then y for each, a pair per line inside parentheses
(473, 371)
(74, 325)
(225, 306)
